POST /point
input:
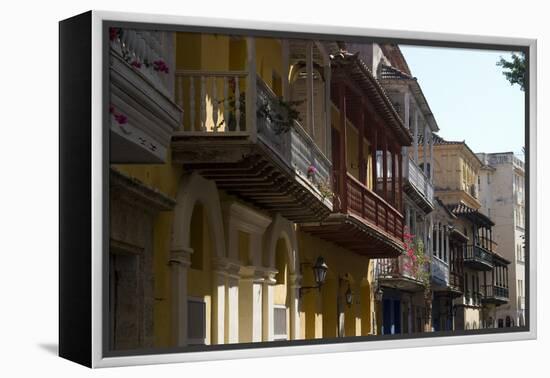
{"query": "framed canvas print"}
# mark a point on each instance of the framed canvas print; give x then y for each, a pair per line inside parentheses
(232, 189)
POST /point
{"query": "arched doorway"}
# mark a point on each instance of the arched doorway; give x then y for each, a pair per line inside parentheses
(197, 304)
(199, 280)
(281, 294)
(281, 255)
(365, 298)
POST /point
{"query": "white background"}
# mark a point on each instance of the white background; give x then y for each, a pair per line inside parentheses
(29, 186)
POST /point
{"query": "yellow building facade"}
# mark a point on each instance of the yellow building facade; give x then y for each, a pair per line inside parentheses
(215, 239)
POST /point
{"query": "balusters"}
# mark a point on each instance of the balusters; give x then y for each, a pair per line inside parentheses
(214, 105)
(203, 103)
(192, 102)
(225, 102)
(180, 91)
(237, 104)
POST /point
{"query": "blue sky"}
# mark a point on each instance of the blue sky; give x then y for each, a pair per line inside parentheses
(470, 98)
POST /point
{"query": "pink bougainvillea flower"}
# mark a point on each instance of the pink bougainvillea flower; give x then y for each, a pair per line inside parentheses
(121, 119)
(135, 64)
(311, 169)
(113, 33)
(160, 65)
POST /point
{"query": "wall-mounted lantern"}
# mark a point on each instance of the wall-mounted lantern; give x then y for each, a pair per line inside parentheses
(379, 294)
(319, 273)
(349, 296)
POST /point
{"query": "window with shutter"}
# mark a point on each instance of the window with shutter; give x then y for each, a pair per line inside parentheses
(196, 321)
(279, 320)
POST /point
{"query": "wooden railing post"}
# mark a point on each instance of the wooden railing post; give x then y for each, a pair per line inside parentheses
(374, 148)
(401, 182)
(385, 167)
(343, 159)
(251, 88)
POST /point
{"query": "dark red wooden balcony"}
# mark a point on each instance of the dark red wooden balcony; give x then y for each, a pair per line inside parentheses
(365, 220)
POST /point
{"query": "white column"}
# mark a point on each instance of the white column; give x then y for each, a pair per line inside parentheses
(405, 150)
(251, 87)
(218, 307)
(294, 287)
(415, 133)
(425, 150)
(250, 305)
(447, 245)
(309, 87)
(426, 233)
(406, 102)
(180, 260)
(232, 309)
(431, 158)
(328, 120)
(268, 298)
(436, 229)
(286, 67)
(224, 301)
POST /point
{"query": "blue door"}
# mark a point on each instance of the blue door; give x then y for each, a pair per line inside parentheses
(391, 316)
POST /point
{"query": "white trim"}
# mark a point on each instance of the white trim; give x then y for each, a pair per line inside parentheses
(97, 189)
(97, 211)
(281, 336)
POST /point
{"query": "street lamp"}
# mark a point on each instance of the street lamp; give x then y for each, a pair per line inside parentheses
(319, 273)
(379, 294)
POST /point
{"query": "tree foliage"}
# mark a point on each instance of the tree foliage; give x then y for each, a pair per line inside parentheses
(514, 69)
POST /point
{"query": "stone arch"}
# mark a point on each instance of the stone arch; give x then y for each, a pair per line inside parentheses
(281, 228)
(193, 189)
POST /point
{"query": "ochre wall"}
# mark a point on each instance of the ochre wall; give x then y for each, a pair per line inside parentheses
(319, 309)
(166, 179)
(456, 169)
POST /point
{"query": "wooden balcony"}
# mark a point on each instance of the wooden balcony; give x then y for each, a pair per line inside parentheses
(479, 258)
(401, 273)
(417, 186)
(495, 295)
(521, 303)
(440, 273)
(363, 222)
(446, 282)
(247, 154)
(143, 114)
(456, 283)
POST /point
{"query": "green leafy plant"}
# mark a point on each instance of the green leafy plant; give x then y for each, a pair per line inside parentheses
(281, 113)
(419, 264)
(325, 189)
(514, 69)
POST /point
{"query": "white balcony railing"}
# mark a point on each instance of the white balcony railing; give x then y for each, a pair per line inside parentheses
(149, 52)
(416, 178)
(440, 271)
(216, 102)
(141, 101)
